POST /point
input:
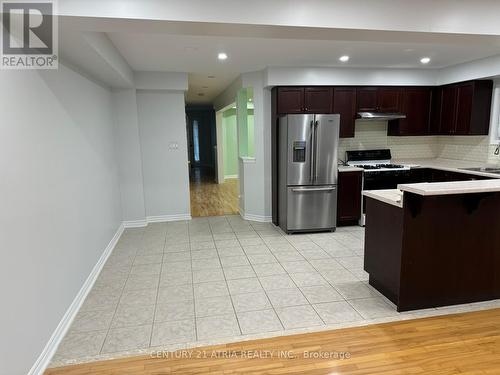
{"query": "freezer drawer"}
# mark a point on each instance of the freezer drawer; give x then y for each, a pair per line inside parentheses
(311, 208)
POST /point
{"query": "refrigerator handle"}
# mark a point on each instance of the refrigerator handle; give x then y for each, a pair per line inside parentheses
(313, 152)
(316, 123)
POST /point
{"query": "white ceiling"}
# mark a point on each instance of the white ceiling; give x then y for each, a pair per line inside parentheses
(198, 56)
(188, 45)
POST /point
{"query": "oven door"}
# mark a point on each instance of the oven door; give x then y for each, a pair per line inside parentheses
(384, 180)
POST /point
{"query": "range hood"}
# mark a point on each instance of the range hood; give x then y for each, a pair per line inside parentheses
(380, 116)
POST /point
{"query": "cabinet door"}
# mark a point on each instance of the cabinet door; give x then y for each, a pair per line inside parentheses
(318, 99)
(436, 104)
(366, 99)
(448, 110)
(290, 100)
(344, 103)
(464, 108)
(349, 196)
(388, 99)
(416, 103)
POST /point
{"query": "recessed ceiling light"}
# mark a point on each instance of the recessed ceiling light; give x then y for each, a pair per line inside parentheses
(425, 60)
(222, 56)
(344, 58)
(250, 99)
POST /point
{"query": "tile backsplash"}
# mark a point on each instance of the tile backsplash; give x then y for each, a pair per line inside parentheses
(373, 134)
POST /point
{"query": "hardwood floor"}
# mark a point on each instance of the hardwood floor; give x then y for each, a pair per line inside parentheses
(211, 199)
(467, 343)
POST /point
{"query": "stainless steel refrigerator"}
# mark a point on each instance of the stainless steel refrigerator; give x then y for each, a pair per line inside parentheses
(308, 172)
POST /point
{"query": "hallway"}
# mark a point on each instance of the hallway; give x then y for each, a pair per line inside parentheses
(211, 199)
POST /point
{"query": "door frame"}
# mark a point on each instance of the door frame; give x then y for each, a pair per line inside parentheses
(220, 147)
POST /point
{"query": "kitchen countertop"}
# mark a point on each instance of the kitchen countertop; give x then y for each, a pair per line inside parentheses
(394, 196)
(348, 168)
(453, 187)
(449, 165)
(390, 196)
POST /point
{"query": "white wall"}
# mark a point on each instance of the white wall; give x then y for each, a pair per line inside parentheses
(60, 202)
(445, 16)
(228, 96)
(256, 174)
(283, 76)
(162, 124)
(128, 154)
(174, 81)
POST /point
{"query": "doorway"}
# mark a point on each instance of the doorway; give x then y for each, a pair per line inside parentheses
(209, 195)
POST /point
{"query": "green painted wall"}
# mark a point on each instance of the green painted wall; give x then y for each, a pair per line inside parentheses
(230, 139)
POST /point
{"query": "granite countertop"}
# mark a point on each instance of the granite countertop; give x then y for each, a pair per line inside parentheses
(390, 196)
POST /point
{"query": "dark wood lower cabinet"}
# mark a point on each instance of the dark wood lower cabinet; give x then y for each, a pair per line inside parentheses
(436, 250)
(349, 197)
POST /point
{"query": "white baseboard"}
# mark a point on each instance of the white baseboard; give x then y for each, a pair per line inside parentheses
(231, 176)
(50, 349)
(259, 218)
(164, 218)
(135, 223)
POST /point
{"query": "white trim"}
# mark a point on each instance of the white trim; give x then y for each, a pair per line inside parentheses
(259, 218)
(164, 218)
(230, 177)
(50, 348)
(247, 159)
(495, 114)
(135, 223)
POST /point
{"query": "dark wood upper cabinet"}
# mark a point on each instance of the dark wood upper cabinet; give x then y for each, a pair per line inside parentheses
(290, 100)
(349, 197)
(415, 104)
(389, 99)
(436, 101)
(464, 108)
(318, 100)
(366, 99)
(456, 109)
(344, 103)
(448, 110)
(378, 99)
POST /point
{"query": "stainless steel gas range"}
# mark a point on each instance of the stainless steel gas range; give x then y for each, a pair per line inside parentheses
(380, 172)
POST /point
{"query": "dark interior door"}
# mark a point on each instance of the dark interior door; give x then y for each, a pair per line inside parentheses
(202, 139)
